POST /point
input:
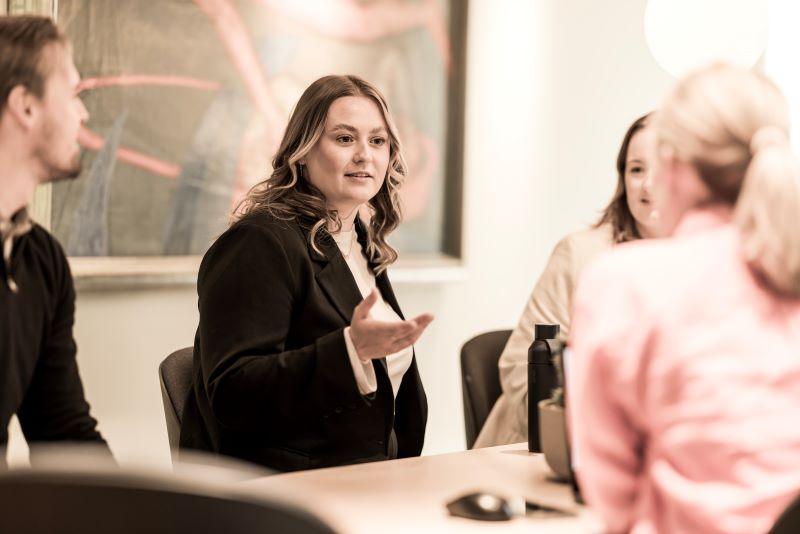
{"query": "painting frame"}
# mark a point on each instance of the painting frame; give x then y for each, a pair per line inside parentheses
(123, 272)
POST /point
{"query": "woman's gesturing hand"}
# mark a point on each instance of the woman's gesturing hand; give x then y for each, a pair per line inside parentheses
(375, 339)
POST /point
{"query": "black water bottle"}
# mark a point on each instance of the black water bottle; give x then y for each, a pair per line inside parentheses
(542, 376)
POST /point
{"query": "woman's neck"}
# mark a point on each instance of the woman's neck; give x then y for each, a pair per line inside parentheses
(348, 219)
(647, 231)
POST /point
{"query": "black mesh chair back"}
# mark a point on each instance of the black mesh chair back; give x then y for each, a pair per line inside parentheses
(480, 379)
(175, 375)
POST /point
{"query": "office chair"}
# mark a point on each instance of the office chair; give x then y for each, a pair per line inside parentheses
(789, 520)
(480, 379)
(93, 500)
(175, 375)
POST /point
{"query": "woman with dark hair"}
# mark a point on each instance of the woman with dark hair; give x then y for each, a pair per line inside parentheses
(628, 216)
(630, 212)
(292, 369)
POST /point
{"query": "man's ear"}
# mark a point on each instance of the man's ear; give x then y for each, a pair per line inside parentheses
(22, 106)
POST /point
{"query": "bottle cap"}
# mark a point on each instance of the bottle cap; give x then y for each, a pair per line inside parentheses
(546, 331)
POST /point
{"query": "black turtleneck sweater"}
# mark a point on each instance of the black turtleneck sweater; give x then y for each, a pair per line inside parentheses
(39, 378)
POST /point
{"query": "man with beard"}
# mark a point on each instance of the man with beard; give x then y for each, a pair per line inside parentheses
(40, 117)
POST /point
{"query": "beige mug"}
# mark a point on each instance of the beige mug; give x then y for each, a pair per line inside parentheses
(553, 437)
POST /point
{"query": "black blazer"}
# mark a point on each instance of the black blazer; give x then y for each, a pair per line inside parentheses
(273, 383)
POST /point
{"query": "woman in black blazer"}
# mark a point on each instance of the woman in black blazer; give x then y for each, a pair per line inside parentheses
(292, 369)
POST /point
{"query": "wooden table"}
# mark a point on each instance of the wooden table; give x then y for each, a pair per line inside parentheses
(409, 495)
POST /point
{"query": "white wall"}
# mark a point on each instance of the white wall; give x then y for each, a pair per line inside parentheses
(552, 86)
(780, 62)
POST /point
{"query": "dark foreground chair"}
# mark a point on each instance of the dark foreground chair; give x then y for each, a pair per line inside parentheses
(175, 375)
(100, 501)
(480, 379)
(789, 521)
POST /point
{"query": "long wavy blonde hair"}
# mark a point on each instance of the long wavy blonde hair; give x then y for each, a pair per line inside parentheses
(289, 195)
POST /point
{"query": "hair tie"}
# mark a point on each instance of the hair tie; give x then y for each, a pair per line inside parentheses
(767, 136)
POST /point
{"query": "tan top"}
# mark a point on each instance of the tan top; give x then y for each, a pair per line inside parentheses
(551, 303)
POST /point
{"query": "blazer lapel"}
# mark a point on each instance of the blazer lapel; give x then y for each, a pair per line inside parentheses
(336, 280)
(334, 276)
(385, 287)
(382, 280)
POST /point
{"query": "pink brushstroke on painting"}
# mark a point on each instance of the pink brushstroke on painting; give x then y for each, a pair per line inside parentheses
(90, 140)
(236, 39)
(424, 161)
(264, 132)
(147, 79)
(350, 20)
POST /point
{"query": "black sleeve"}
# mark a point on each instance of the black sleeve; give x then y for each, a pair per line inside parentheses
(54, 407)
(247, 287)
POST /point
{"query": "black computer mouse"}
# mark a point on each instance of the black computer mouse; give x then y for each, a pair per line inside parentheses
(483, 506)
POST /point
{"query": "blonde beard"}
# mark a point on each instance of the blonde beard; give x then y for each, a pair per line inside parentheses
(54, 172)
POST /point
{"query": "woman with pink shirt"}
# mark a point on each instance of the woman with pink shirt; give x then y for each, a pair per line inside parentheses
(686, 351)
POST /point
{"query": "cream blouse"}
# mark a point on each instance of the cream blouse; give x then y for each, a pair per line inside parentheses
(399, 362)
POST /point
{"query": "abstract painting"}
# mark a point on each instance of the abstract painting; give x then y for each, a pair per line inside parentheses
(188, 100)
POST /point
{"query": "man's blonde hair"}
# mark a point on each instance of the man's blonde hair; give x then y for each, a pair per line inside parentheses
(23, 41)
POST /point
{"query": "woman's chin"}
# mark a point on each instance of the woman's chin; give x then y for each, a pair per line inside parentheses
(649, 223)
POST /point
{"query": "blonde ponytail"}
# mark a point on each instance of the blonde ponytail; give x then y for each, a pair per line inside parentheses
(731, 124)
(767, 210)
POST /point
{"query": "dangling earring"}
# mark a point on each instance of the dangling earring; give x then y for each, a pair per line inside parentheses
(300, 170)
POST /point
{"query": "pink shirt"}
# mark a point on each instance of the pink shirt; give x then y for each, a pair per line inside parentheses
(685, 404)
